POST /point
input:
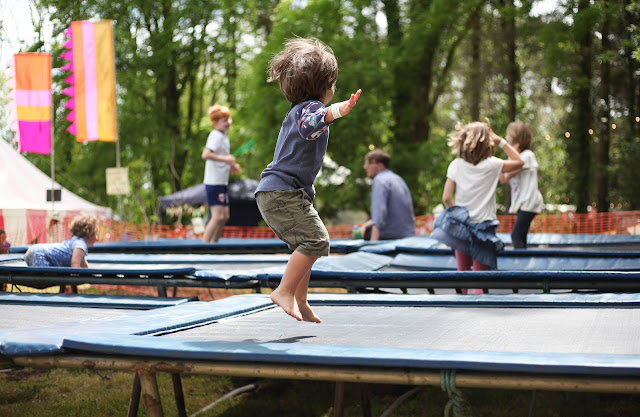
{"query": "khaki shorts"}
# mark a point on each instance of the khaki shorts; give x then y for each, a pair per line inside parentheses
(294, 220)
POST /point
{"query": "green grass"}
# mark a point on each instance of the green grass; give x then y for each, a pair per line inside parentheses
(60, 392)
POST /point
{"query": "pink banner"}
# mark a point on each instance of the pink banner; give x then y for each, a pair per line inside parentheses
(41, 130)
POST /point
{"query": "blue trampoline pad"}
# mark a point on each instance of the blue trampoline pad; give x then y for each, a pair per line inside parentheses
(583, 334)
(183, 258)
(45, 318)
(601, 261)
(90, 300)
(557, 239)
(194, 246)
(11, 257)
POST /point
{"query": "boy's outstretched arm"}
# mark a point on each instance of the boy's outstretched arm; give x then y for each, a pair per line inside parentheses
(343, 107)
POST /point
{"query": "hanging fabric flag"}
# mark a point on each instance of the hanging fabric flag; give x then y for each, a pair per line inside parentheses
(92, 91)
(32, 98)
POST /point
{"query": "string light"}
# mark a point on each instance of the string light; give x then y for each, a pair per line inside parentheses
(591, 131)
(372, 147)
(547, 137)
(567, 135)
(458, 126)
(613, 126)
(637, 118)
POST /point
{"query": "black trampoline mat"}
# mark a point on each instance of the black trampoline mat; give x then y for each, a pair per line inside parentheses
(540, 330)
(24, 316)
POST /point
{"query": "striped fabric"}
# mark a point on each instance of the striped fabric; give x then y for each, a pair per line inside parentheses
(92, 91)
(32, 97)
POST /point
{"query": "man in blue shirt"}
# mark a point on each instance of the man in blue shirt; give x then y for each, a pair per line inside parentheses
(392, 214)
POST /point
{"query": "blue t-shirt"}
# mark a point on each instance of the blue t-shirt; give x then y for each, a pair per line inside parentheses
(55, 254)
(302, 144)
(391, 206)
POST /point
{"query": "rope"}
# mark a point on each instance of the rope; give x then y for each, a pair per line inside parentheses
(457, 403)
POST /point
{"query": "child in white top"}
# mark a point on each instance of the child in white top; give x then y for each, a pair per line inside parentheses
(526, 199)
(469, 226)
(219, 163)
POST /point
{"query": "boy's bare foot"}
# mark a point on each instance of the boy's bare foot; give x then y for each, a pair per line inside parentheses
(307, 313)
(287, 302)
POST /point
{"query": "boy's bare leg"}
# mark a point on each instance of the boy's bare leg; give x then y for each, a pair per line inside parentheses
(297, 268)
(222, 220)
(219, 217)
(301, 298)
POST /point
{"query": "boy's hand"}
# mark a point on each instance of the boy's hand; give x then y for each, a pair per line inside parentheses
(347, 105)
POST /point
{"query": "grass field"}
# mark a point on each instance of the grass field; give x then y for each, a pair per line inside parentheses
(40, 393)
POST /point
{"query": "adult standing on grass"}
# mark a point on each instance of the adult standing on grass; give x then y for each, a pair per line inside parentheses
(392, 215)
(219, 162)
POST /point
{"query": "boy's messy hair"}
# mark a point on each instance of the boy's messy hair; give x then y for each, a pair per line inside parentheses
(305, 69)
(84, 226)
(217, 112)
(521, 134)
(473, 143)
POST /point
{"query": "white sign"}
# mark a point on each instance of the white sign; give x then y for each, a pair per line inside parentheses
(117, 181)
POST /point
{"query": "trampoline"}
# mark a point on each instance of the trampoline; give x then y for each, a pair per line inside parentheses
(572, 242)
(530, 260)
(195, 246)
(585, 342)
(355, 272)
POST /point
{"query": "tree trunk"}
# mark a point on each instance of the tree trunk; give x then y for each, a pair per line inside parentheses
(476, 80)
(579, 143)
(602, 176)
(512, 72)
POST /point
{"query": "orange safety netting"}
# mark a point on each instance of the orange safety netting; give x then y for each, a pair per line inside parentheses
(622, 222)
(626, 222)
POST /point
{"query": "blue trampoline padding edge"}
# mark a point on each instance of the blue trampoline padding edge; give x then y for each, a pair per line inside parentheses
(488, 275)
(535, 263)
(91, 300)
(42, 340)
(66, 271)
(332, 355)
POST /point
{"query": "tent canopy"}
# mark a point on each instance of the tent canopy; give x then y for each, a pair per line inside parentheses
(239, 190)
(25, 213)
(242, 202)
(24, 186)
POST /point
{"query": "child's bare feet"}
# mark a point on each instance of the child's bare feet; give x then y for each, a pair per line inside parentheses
(288, 303)
(307, 313)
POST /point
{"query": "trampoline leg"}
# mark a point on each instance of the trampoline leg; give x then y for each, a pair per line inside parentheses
(338, 400)
(179, 394)
(134, 401)
(150, 393)
(162, 291)
(365, 399)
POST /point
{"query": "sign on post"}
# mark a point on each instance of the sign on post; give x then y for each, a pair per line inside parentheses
(117, 181)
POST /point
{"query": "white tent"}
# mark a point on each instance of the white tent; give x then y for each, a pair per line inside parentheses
(25, 213)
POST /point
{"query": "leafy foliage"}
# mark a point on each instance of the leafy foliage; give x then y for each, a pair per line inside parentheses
(418, 63)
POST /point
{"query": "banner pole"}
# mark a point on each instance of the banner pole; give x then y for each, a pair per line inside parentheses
(53, 161)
